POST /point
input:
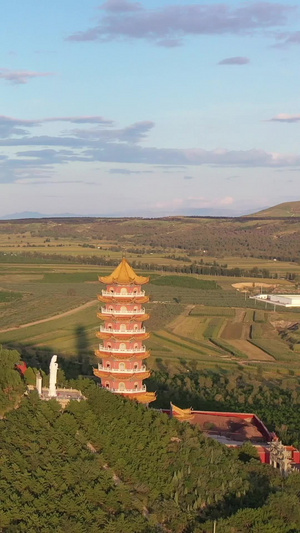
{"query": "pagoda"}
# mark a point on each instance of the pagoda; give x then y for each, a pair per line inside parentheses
(122, 352)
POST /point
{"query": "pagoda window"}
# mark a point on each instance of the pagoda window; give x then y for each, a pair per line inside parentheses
(112, 291)
(107, 365)
(123, 309)
(109, 326)
(136, 346)
(123, 327)
(124, 291)
(111, 309)
(135, 291)
(136, 327)
(135, 366)
(136, 386)
(107, 385)
(135, 308)
(121, 366)
(121, 386)
(122, 346)
(108, 345)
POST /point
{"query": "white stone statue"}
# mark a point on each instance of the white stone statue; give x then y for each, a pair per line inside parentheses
(53, 375)
(38, 383)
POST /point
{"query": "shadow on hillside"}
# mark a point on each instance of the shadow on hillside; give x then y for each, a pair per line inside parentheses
(176, 390)
(73, 365)
(259, 491)
(84, 354)
(162, 367)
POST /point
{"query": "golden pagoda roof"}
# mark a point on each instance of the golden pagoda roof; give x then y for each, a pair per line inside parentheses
(122, 376)
(124, 275)
(120, 336)
(125, 317)
(133, 300)
(142, 397)
(181, 414)
(123, 356)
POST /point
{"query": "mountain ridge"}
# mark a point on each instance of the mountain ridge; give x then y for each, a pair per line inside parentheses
(285, 209)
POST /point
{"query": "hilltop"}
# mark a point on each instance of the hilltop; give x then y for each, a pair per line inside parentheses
(286, 210)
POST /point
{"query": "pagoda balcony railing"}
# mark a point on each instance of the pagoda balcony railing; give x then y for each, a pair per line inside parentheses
(106, 311)
(125, 332)
(129, 391)
(127, 295)
(102, 348)
(125, 371)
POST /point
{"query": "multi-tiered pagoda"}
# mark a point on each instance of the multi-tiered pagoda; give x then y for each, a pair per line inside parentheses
(122, 351)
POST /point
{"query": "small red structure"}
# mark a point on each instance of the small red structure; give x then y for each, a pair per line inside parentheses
(22, 367)
(122, 353)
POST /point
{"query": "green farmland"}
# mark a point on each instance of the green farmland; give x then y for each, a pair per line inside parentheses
(52, 309)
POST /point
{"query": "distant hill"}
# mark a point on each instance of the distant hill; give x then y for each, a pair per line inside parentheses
(272, 233)
(22, 215)
(204, 212)
(287, 209)
(32, 214)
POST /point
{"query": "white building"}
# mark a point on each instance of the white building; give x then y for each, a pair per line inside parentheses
(287, 300)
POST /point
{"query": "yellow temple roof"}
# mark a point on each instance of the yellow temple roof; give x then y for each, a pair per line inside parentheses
(142, 397)
(124, 275)
(182, 414)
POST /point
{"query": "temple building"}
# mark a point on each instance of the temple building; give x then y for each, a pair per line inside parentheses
(234, 429)
(122, 352)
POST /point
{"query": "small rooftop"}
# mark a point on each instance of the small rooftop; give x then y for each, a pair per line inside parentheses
(225, 427)
(231, 427)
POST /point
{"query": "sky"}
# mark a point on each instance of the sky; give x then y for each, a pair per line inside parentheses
(149, 108)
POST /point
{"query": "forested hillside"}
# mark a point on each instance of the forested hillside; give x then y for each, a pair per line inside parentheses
(260, 237)
(111, 465)
(11, 385)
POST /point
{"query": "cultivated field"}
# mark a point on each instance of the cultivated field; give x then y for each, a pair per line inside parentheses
(48, 309)
(202, 274)
(260, 246)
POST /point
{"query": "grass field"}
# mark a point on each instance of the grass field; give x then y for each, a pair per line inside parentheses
(203, 320)
(9, 296)
(68, 335)
(187, 282)
(199, 310)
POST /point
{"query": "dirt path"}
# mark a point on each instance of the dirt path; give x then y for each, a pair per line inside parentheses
(239, 316)
(55, 317)
(179, 319)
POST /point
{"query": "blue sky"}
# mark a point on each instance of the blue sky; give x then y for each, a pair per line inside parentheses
(149, 108)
